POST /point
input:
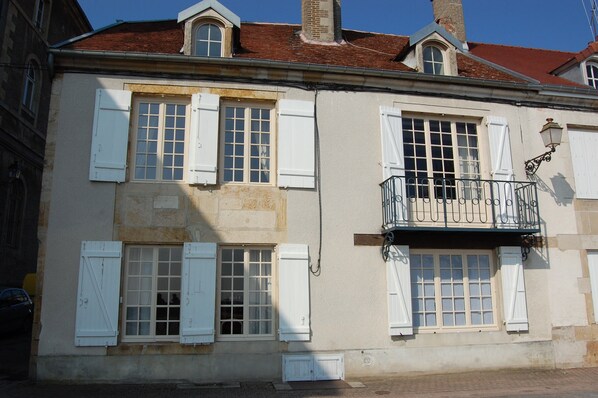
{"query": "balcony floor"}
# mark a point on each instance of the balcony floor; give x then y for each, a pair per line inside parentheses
(461, 238)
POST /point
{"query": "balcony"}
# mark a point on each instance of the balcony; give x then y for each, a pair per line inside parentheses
(460, 207)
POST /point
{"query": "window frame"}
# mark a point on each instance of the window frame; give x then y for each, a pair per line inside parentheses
(248, 106)
(438, 297)
(209, 41)
(273, 295)
(591, 72)
(152, 337)
(430, 173)
(30, 87)
(162, 103)
(432, 61)
(38, 17)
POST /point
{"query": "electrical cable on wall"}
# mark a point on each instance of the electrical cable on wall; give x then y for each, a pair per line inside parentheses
(316, 269)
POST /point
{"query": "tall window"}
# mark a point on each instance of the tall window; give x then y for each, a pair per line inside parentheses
(247, 144)
(592, 72)
(245, 293)
(452, 290)
(208, 41)
(152, 293)
(39, 14)
(29, 86)
(160, 140)
(433, 61)
(437, 152)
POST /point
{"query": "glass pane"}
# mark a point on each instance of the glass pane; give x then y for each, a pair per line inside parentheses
(145, 313)
(145, 298)
(131, 329)
(447, 304)
(430, 319)
(132, 313)
(430, 305)
(446, 290)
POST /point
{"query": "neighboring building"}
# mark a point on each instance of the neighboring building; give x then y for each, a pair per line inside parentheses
(27, 28)
(241, 201)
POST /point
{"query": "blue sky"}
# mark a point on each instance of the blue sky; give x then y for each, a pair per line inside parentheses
(550, 24)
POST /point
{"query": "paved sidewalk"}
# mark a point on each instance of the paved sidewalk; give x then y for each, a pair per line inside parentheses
(573, 383)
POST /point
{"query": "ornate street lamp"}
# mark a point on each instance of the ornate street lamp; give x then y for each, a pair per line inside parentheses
(551, 136)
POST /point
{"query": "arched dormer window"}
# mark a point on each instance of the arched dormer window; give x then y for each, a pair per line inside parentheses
(31, 82)
(433, 61)
(592, 74)
(208, 41)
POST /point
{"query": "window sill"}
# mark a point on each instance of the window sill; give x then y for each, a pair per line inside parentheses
(456, 330)
(158, 348)
(226, 339)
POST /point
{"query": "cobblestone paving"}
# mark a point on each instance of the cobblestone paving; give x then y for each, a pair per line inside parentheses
(571, 383)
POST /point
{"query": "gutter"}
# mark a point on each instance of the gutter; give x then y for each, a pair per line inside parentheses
(541, 89)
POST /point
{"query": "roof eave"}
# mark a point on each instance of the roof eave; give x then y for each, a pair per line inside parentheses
(538, 88)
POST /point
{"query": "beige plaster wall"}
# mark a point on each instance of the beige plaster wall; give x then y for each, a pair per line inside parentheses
(348, 298)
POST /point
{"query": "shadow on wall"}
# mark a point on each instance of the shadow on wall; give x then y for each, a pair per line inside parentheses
(561, 191)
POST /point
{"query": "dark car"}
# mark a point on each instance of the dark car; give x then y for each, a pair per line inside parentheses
(16, 310)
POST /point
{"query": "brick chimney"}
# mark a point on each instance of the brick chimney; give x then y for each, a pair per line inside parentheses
(321, 21)
(449, 15)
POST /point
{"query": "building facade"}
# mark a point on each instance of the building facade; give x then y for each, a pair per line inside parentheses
(27, 29)
(267, 201)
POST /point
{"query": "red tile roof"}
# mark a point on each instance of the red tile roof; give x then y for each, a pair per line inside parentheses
(532, 62)
(281, 42)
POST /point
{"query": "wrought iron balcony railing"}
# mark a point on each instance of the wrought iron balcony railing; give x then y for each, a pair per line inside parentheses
(416, 202)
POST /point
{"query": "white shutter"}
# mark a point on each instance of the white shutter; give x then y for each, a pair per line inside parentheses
(203, 148)
(329, 367)
(398, 281)
(513, 286)
(293, 268)
(198, 293)
(393, 160)
(296, 145)
(110, 135)
(98, 295)
(312, 367)
(593, 268)
(297, 368)
(502, 171)
(584, 147)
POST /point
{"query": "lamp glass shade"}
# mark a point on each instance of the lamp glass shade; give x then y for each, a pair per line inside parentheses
(551, 134)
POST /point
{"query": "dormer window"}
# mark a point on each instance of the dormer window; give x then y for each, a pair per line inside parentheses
(208, 41)
(211, 30)
(592, 74)
(433, 61)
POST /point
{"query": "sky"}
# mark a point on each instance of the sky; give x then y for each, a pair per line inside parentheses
(549, 24)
